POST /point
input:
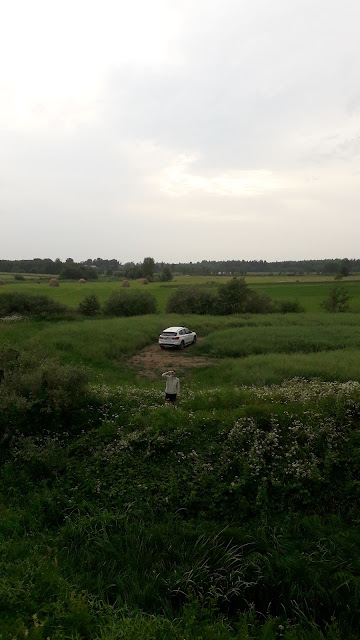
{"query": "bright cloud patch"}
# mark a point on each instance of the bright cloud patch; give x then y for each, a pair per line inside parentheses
(178, 180)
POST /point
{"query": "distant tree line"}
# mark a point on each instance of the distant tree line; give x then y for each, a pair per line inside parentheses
(92, 268)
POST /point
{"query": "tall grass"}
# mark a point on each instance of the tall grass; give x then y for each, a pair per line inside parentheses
(276, 347)
(234, 516)
(273, 368)
(279, 339)
(231, 517)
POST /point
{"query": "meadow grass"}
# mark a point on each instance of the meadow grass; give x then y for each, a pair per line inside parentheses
(308, 290)
(252, 349)
(234, 516)
(235, 343)
(167, 524)
(273, 368)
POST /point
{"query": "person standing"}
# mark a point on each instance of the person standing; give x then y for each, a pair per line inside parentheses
(172, 388)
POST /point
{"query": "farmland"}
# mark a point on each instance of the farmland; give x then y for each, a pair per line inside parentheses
(236, 516)
(309, 290)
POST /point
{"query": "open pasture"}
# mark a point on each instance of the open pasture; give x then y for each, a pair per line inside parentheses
(252, 349)
(310, 291)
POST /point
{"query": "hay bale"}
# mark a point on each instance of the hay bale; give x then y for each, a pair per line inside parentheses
(125, 283)
(144, 281)
(82, 281)
(54, 283)
(2, 282)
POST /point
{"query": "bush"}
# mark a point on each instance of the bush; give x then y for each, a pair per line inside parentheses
(236, 297)
(24, 303)
(166, 274)
(232, 297)
(258, 303)
(19, 277)
(39, 393)
(192, 300)
(288, 306)
(338, 300)
(126, 303)
(90, 306)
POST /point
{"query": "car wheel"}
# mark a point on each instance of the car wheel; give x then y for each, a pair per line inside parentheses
(195, 338)
(182, 345)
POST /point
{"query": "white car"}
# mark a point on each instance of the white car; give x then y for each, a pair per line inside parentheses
(177, 337)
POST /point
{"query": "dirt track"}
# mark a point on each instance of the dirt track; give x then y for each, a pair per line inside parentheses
(152, 360)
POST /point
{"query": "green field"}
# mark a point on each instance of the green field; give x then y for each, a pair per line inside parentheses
(234, 517)
(310, 291)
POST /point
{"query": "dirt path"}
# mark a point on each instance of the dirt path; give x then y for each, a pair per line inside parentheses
(152, 360)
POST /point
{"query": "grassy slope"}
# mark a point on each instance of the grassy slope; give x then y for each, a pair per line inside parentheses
(154, 524)
(250, 349)
(168, 524)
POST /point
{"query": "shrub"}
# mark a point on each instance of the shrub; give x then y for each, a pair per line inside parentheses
(236, 297)
(338, 300)
(166, 274)
(258, 303)
(192, 300)
(288, 306)
(39, 393)
(232, 297)
(25, 303)
(19, 277)
(90, 306)
(129, 303)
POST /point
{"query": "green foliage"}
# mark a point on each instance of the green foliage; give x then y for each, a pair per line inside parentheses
(74, 271)
(129, 303)
(194, 300)
(338, 300)
(288, 306)
(233, 296)
(27, 304)
(38, 393)
(148, 268)
(345, 268)
(166, 274)
(183, 524)
(19, 277)
(90, 306)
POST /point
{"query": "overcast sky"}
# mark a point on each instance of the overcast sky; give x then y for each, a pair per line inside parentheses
(180, 129)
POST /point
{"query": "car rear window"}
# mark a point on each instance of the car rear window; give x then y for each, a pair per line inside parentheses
(168, 333)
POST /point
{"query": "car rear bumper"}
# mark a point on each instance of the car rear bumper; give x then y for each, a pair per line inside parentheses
(168, 345)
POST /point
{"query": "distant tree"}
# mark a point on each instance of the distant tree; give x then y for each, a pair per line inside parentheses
(166, 274)
(344, 270)
(75, 272)
(133, 272)
(338, 300)
(71, 272)
(330, 267)
(148, 267)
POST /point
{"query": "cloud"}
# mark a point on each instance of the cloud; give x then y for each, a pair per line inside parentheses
(239, 118)
(178, 180)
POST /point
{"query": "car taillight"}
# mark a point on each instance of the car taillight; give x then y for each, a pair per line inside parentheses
(177, 338)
